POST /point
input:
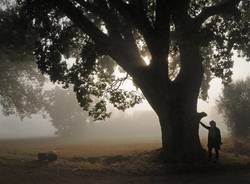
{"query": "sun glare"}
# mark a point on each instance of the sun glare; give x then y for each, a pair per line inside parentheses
(146, 60)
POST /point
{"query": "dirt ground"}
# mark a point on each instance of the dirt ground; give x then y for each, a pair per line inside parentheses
(62, 176)
(111, 164)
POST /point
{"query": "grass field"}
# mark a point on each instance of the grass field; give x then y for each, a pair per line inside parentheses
(66, 148)
(110, 163)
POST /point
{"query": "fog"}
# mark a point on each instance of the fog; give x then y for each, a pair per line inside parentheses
(137, 124)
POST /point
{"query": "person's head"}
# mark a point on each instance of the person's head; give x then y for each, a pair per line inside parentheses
(212, 123)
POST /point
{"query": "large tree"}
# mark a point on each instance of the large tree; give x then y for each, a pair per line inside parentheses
(194, 32)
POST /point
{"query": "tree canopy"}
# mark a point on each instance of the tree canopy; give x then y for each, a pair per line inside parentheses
(91, 30)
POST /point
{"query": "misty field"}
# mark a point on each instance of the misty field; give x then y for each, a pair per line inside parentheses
(110, 163)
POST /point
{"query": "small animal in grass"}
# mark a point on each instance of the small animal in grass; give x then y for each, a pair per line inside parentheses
(47, 156)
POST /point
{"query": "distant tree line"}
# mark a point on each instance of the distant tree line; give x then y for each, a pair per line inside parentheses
(234, 105)
(22, 86)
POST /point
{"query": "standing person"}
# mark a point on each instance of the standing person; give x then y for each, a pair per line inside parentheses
(214, 139)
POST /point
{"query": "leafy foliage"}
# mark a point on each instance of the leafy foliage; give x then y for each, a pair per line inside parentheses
(16, 38)
(70, 57)
(90, 31)
(234, 104)
(21, 84)
(225, 34)
(21, 89)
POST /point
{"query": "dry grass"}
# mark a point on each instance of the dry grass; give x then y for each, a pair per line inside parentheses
(67, 150)
(112, 163)
(130, 157)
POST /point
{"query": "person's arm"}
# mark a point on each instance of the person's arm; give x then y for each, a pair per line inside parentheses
(205, 126)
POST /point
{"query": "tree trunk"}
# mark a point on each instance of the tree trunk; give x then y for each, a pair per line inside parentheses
(178, 117)
(175, 102)
(176, 106)
(180, 134)
(179, 121)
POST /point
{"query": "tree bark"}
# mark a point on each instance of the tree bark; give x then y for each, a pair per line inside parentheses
(179, 121)
(180, 133)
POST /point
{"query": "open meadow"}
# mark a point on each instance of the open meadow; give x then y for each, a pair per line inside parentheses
(110, 163)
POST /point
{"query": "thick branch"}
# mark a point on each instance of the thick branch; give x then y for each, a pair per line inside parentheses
(101, 9)
(120, 51)
(162, 25)
(83, 22)
(136, 15)
(162, 16)
(161, 39)
(228, 7)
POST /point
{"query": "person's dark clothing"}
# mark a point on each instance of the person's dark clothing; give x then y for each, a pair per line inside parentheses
(214, 140)
(210, 153)
(214, 137)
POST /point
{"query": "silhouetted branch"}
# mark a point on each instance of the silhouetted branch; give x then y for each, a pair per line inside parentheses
(136, 15)
(117, 83)
(228, 7)
(83, 22)
(101, 9)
